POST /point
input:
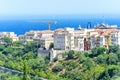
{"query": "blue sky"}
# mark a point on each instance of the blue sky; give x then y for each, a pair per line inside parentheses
(10, 8)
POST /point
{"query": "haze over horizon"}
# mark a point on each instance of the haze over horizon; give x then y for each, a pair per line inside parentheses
(33, 9)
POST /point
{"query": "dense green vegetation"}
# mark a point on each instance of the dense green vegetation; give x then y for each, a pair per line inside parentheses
(23, 57)
(9, 76)
(98, 64)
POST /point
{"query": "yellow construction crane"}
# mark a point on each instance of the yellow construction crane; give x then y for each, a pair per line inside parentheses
(49, 22)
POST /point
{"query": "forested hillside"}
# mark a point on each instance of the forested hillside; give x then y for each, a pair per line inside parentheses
(99, 63)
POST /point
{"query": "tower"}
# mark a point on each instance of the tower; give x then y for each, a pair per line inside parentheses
(88, 25)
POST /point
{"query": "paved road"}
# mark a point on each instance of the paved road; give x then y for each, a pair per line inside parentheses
(16, 72)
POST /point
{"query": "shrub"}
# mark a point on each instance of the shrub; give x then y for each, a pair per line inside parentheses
(57, 68)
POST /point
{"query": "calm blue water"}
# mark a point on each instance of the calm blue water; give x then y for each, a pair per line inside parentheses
(22, 26)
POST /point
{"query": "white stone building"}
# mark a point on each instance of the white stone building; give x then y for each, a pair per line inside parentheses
(46, 38)
(115, 37)
(60, 41)
(69, 39)
(11, 35)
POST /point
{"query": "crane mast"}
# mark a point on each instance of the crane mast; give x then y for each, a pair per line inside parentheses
(48, 22)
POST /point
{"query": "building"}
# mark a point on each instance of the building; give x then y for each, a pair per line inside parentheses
(46, 34)
(105, 26)
(46, 42)
(69, 39)
(11, 35)
(28, 36)
(79, 40)
(104, 38)
(60, 41)
(115, 37)
(46, 38)
(69, 32)
(64, 39)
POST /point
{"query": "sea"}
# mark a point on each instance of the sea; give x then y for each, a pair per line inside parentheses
(22, 26)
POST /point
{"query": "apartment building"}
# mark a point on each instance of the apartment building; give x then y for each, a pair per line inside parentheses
(69, 32)
(11, 35)
(60, 41)
(64, 39)
(46, 42)
(115, 37)
(69, 39)
(79, 40)
(28, 36)
(46, 38)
